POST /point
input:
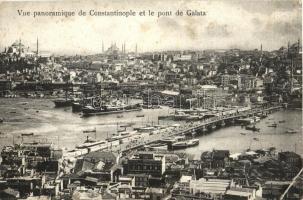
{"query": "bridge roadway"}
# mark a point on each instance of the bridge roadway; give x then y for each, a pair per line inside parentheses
(190, 128)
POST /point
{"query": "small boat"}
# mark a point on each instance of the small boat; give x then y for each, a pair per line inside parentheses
(252, 128)
(90, 130)
(145, 129)
(119, 116)
(156, 146)
(140, 115)
(256, 139)
(179, 145)
(243, 133)
(282, 121)
(127, 125)
(256, 119)
(193, 142)
(27, 134)
(92, 143)
(22, 103)
(274, 125)
(291, 131)
(245, 121)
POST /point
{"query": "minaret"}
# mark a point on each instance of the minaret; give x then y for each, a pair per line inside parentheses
(124, 48)
(37, 50)
(19, 47)
(136, 49)
(261, 49)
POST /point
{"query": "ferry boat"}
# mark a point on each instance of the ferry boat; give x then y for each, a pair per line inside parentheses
(121, 135)
(185, 144)
(27, 134)
(179, 145)
(157, 146)
(91, 143)
(246, 121)
(145, 129)
(168, 140)
(107, 109)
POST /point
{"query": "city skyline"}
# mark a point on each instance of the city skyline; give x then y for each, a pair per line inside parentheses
(227, 25)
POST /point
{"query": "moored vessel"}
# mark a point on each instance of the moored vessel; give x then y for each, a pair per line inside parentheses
(63, 102)
(185, 144)
(107, 109)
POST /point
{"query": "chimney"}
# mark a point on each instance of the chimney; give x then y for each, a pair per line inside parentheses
(37, 51)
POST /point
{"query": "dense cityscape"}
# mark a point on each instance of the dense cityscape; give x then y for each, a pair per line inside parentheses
(203, 90)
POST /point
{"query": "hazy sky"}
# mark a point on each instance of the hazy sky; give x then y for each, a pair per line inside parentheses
(228, 24)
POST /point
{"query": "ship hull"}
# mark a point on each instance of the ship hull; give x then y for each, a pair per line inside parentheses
(184, 145)
(99, 111)
(180, 146)
(63, 103)
(76, 107)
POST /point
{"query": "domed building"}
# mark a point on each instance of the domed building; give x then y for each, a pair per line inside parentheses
(18, 49)
(113, 49)
(113, 52)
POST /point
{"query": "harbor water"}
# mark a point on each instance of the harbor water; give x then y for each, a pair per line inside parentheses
(65, 129)
(237, 139)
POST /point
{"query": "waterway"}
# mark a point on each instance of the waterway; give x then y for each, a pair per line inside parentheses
(65, 129)
(237, 139)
